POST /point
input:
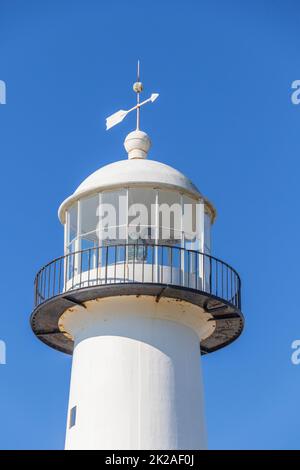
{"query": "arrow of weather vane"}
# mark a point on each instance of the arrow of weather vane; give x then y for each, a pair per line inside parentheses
(117, 117)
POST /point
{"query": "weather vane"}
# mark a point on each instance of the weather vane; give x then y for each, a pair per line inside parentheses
(120, 115)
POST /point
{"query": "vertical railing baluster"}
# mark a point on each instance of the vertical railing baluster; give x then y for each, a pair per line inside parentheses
(35, 290)
(41, 285)
(115, 267)
(152, 258)
(106, 263)
(196, 270)
(59, 277)
(162, 264)
(73, 271)
(171, 256)
(125, 255)
(217, 275)
(180, 270)
(49, 280)
(235, 297)
(227, 283)
(205, 281)
(144, 248)
(237, 290)
(44, 282)
(210, 275)
(38, 287)
(222, 278)
(214, 276)
(133, 265)
(54, 279)
(39, 298)
(89, 267)
(80, 269)
(97, 267)
(188, 268)
(66, 272)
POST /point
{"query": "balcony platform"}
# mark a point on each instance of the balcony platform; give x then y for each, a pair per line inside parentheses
(197, 278)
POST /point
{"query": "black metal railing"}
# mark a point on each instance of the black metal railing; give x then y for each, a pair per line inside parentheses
(138, 263)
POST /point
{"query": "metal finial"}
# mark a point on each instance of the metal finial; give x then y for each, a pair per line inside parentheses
(120, 115)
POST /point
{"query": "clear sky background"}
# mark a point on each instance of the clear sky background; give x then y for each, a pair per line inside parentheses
(224, 117)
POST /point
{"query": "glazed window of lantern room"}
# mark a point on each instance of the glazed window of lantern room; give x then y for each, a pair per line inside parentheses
(71, 228)
(112, 216)
(88, 227)
(169, 210)
(81, 229)
(129, 215)
(207, 233)
(191, 222)
(141, 214)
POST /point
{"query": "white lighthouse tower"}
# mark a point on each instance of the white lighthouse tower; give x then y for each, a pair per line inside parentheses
(137, 298)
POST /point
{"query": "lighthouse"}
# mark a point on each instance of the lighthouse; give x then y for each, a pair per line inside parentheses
(137, 299)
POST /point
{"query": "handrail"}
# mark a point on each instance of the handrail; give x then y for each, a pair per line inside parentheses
(138, 263)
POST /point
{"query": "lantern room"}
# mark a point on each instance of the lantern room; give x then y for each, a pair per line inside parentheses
(137, 200)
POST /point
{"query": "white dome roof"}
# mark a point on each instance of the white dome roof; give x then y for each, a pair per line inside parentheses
(137, 171)
(131, 172)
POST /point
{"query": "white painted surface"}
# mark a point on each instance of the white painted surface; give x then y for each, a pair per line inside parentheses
(137, 272)
(136, 374)
(137, 144)
(131, 172)
(137, 171)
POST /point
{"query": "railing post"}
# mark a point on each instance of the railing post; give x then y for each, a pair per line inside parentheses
(217, 275)
(210, 275)
(54, 279)
(80, 275)
(125, 257)
(89, 266)
(98, 264)
(133, 265)
(171, 256)
(35, 290)
(106, 263)
(115, 267)
(49, 278)
(196, 271)
(59, 277)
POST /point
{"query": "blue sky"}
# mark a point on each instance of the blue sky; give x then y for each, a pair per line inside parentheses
(224, 117)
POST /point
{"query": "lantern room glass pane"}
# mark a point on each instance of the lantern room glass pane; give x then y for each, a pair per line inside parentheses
(207, 231)
(141, 214)
(169, 217)
(73, 222)
(113, 216)
(189, 221)
(89, 217)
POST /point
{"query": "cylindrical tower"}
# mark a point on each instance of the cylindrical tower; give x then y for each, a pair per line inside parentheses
(135, 298)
